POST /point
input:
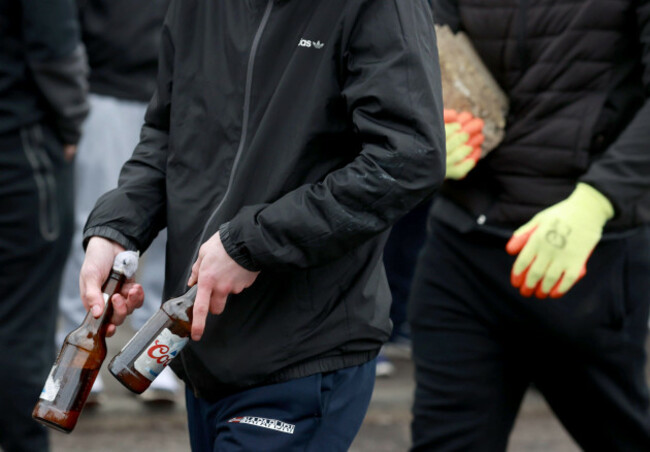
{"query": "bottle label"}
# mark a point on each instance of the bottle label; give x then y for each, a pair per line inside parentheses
(159, 353)
(51, 388)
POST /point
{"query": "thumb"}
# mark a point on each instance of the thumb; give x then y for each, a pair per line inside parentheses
(520, 238)
(194, 277)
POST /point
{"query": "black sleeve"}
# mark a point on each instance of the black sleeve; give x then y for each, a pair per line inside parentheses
(134, 212)
(394, 97)
(623, 172)
(58, 62)
(445, 12)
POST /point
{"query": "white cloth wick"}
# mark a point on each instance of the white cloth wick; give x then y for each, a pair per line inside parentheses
(126, 263)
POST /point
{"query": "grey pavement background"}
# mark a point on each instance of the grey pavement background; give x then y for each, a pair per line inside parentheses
(123, 423)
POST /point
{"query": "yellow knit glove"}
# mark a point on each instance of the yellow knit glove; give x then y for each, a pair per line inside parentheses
(555, 245)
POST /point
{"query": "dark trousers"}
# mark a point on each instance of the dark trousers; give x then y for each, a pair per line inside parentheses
(35, 229)
(322, 412)
(478, 345)
(400, 255)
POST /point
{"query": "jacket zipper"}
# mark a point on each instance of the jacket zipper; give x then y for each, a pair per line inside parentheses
(242, 142)
(244, 128)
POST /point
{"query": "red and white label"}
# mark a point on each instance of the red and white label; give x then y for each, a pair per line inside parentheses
(159, 353)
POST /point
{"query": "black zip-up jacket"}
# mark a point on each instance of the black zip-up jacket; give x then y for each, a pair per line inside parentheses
(122, 39)
(301, 131)
(578, 77)
(42, 67)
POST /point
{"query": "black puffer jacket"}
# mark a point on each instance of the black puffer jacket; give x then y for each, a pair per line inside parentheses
(302, 130)
(578, 77)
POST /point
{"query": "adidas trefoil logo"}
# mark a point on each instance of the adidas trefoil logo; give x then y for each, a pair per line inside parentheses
(315, 44)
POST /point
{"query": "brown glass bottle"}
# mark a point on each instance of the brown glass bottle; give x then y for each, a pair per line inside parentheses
(84, 349)
(155, 344)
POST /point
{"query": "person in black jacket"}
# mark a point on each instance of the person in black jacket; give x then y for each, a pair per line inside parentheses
(42, 104)
(282, 142)
(568, 193)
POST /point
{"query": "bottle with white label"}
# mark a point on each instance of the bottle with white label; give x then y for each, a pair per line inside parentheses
(84, 349)
(154, 346)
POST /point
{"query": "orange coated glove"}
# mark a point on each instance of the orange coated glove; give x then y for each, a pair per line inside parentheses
(464, 136)
(554, 246)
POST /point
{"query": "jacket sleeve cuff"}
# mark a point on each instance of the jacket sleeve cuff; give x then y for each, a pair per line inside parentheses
(237, 251)
(602, 189)
(110, 234)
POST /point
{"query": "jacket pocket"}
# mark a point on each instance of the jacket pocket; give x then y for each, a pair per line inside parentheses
(317, 289)
(603, 301)
(43, 168)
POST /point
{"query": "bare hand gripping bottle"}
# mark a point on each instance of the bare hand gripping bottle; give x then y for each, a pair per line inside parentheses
(84, 349)
(155, 344)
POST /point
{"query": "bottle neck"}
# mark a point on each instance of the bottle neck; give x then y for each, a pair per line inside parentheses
(181, 307)
(100, 324)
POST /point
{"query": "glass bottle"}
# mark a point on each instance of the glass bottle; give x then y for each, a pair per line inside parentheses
(84, 349)
(155, 344)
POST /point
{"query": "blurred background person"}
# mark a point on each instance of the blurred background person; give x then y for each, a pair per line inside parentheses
(500, 297)
(42, 105)
(122, 39)
(400, 255)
